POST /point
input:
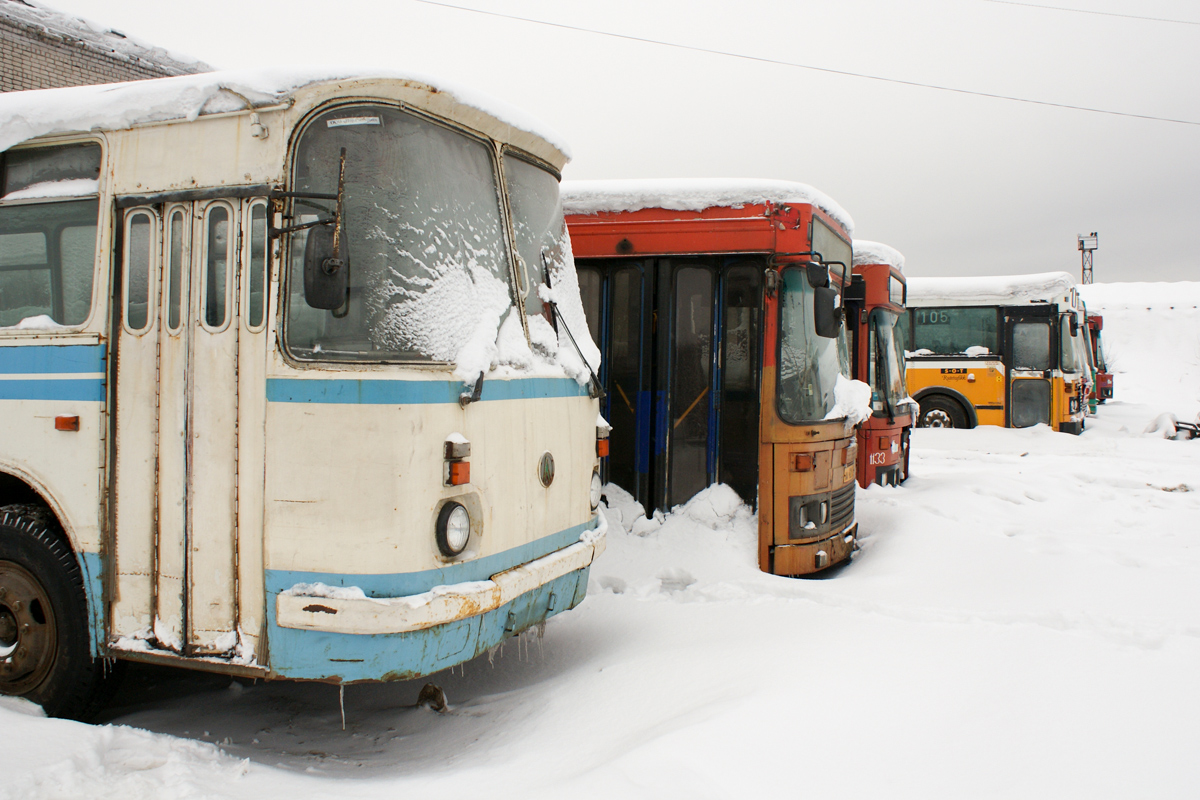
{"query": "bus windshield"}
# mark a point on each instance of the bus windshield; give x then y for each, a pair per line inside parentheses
(886, 367)
(423, 237)
(809, 364)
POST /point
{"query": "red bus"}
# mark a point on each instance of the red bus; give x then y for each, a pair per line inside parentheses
(875, 314)
(717, 308)
(1103, 390)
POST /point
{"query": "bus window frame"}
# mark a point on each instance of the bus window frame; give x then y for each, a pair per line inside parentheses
(247, 259)
(103, 222)
(285, 242)
(185, 254)
(231, 265)
(152, 278)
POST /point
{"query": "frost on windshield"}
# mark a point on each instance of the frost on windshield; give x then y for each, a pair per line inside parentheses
(424, 240)
(809, 365)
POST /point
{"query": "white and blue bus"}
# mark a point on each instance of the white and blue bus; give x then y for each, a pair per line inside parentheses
(295, 382)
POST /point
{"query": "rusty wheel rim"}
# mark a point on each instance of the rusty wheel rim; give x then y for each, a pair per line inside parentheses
(936, 418)
(28, 636)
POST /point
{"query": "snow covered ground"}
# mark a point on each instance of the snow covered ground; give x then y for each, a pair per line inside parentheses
(1023, 620)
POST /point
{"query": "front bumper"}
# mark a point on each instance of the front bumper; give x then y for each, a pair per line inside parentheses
(348, 639)
(810, 557)
(439, 606)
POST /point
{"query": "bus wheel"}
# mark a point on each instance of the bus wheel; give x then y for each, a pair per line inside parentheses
(941, 412)
(44, 650)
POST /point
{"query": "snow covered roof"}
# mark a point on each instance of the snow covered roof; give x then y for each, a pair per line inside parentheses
(116, 106)
(868, 252)
(990, 290)
(693, 194)
(98, 38)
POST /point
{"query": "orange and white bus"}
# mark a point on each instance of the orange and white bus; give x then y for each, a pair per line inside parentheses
(716, 308)
(996, 351)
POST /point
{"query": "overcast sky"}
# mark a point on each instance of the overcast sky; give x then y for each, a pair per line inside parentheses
(961, 184)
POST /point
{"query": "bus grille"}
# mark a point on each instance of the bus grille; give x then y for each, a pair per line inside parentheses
(841, 510)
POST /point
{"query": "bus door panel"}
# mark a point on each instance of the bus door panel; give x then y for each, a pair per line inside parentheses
(253, 290)
(628, 332)
(1029, 349)
(739, 363)
(690, 377)
(616, 299)
(212, 430)
(136, 411)
(170, 555)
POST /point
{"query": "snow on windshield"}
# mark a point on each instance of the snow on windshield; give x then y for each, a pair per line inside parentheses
(693, 194)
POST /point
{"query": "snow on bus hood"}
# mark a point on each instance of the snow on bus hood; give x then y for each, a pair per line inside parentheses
(999, 289)
(868, 252)
(116, 106)
(693, 194)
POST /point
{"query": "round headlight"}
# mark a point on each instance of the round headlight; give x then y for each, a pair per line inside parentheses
(453, 529)
(595, 490)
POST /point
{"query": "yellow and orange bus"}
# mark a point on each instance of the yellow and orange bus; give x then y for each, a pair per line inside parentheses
(997, 351)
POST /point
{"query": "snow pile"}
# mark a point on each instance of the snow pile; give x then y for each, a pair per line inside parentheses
(693, 194)
(98, 38)
(1151, 339)
(41, 322)
(851, 399)
(71, 187)
(115, 106)
(867, 252)
(985, 290)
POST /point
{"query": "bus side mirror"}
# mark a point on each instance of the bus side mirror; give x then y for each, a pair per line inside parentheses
(1074, 326)
(326, 279)
(818, 276)
(827, 315)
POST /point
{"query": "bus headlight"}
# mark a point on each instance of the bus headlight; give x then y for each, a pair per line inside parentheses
(453, 529)
(595, 490)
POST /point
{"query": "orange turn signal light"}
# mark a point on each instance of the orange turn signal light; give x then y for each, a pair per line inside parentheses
(66, 423)
(459, 473)
(602, 448)
(802, 462)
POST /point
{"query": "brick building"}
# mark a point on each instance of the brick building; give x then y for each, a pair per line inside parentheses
(42, 49)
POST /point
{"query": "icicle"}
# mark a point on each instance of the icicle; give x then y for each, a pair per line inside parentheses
(342, 702)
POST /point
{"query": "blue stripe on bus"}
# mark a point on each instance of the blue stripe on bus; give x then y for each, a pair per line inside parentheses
(401, 392)
(402, 584)
(52, 359)
(92, 565)
(86, 389)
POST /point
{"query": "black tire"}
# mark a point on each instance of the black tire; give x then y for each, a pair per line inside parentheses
(941, 412)
(46, 654)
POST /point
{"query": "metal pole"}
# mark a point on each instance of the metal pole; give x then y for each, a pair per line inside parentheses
(1087, 246)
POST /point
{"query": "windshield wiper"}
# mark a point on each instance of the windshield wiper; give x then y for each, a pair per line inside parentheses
(594, 387)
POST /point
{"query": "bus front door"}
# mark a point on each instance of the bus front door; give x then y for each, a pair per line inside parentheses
(1029, 348)
(176, 430)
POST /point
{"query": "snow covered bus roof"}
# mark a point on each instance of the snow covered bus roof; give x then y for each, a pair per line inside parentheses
(119, 106)
(693, 194)
(998, 290)
(868, 252)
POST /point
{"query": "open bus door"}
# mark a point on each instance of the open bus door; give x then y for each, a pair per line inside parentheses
(682, 384)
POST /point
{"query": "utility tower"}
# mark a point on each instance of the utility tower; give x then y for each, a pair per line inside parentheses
(1087, 245)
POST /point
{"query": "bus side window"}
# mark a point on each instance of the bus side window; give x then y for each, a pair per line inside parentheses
(139, 270)
(177, 234)
(48, 238)
(258, 267)
(217, 262)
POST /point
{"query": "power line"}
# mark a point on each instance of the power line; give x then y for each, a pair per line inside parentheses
(828, 70)
(1097, 13)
